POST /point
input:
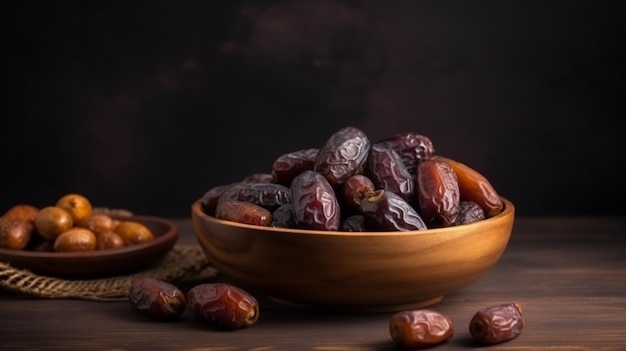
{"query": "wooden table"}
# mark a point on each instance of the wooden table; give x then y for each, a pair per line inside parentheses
(569, 274)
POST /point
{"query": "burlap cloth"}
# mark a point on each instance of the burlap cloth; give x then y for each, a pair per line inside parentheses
(183, 263)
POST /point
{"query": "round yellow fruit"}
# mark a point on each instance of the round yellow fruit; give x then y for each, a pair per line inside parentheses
(51, 221)
(77, 205)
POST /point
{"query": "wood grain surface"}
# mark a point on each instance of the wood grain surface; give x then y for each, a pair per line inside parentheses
(569, 274)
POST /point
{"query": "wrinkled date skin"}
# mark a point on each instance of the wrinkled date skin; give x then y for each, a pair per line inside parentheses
(354, 223)
(354, 190)
(387, 211)
(469, 212)
(343, 155)
(438, 193)
(496, 324)
(386, 170)
(223, 305)
(289, 165)
(412, 147)
(211, 197)
(267, 195)
(420, 328)
(243, 212)
(475, 187)
(259, 178)
(315, 204)
(156, 298)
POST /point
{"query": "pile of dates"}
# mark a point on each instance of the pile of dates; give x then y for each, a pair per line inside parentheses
(69, 225)
(355, 185)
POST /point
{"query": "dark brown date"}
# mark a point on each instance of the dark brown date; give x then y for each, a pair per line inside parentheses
(156, 298)
(283, 217)
(475, 187)
(210, 198)
(412, 147)
(315, 204)
(496, 324)
(387, 211)
(268, 195)
(243, 212)
(420, 328)
(354, 190)
(289, 165)
(469, 212)
(386, 170)
(438, 193)
(223, 305)
(343, 155)
(354, 223)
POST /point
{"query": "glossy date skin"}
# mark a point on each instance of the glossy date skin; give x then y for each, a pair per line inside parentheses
(289, 165)
(387, 171)
(387, 211)
(243, 212)
(156, 298)
(420, 328)
(223, 305)
(267, 195)
(438, 193)
(315, 204)
(412, 147)
(354, 190)
(497, 324)
(343, 155)
(475, 187)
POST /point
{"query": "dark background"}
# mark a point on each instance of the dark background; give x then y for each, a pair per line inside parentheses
(145, 105)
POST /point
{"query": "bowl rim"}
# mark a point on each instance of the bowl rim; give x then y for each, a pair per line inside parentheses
(507, 211)
(170, 235)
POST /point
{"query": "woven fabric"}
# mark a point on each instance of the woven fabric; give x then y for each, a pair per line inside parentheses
(182, 263)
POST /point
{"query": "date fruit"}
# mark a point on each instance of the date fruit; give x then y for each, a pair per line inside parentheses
(475, 187)
(315, 204)
(156, 298)
(387, 211)
(386, 170)
(267, 195)
(289, 165)
(412, 147)
(469, 212)
(496, 324)
(438, 193)
(243, 212)
(354, 190)
(223, 305)
(343, 155)
(420, 328)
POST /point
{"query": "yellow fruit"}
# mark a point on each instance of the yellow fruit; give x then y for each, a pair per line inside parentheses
(133, 232)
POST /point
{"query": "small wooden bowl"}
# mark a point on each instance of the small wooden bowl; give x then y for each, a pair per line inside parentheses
(360, 272)
(100, 263)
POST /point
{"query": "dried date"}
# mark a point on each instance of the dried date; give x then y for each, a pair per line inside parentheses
(387, 211)
(315, 204)
(243, 212)
(438, 193)
(420, 328)
(469, 212)
(283, 217)
(475, 187)
(412, 147)
(354, 190)
(354, 223)
(289, 165)
(267, 195)
(156, 298)
(223, 305)
(386, 170)
(211, 197)
(496, 324)
(343, 155)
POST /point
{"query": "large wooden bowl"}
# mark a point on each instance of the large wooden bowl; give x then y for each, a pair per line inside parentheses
(361, 272)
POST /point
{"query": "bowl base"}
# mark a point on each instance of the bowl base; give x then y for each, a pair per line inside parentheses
(362, 309)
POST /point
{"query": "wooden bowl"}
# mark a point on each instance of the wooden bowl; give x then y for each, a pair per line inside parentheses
(360, 272)
(100, 263)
